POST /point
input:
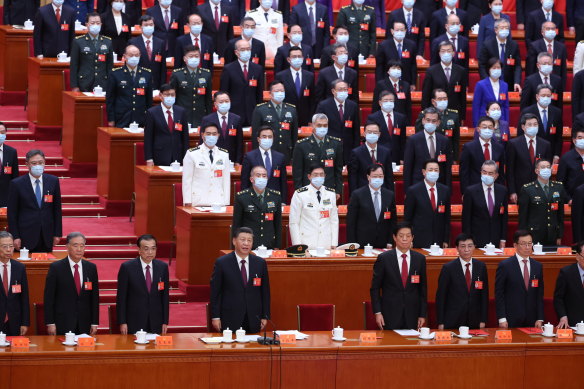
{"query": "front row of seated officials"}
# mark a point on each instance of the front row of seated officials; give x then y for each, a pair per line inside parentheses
(240, 288)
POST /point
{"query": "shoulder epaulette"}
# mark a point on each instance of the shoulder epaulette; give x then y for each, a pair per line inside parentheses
(303, 139)
(252, 10)
(335, 138)
(222, 149)
(330, 189)
(368, 6)
(106, 37)
(114, 69)
(529, 184)
(194, 148)
(273, 191)
(346, 6)
(178, 70)
(207, 70)
(292, 105)
(145, 69)
(243, 191)
(260, 104)
(303, 189)
(278, 11)
(81, 36)
(453, 110)
(558, 182)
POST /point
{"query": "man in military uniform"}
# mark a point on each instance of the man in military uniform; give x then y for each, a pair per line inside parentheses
(193, 86)
(449, 120)
(259, 208)
(319, 148)
(360, 20)
(314, 219)
(541, 207)
(269, 27)
(281, 117)
(129, 91)
(91, 57)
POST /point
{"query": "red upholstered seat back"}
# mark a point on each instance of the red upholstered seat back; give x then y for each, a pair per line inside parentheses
(139, 154)
(39, 318)
(432, 320)
(30, 44)
(112, 316)
(177, 194)
(368, 316)
(369, 82)
(316, 317)
(67, 80)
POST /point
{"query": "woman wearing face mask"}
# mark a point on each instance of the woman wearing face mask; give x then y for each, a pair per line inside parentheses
(487, 24)
(501, 132)
(490, 89)
(116, 25)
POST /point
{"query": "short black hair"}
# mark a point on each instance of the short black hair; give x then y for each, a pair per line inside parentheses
(203, 128)
(2, 124)
(337, 28)
(520, 234)
(145, 18)
(577, 247)
(541, 160)
(436, 91)
(401, 225)
(485, 119)
(190, 48)
(75, 234)
(265, 128)
(295, 48)
(431, 160)
(315, 166)
(375, 166)
(32, 153)
(386, 93)
(431, 111)
(445, 43)
(492, 62)
(543, 86)
(247, 19)
(395, 21)
(528, 116)
(275, 82)
(166, 87)
(393, 63)
(219, 93)
(292, 25)
(145, 237)
(92, 15)
(491, 103)
(242, 230)
(462, 237)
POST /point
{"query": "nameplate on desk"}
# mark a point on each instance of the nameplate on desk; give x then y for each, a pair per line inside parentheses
(443, 335)
(286, 209)
(514, 95)
(3, 211)
(513, 131)
(39, 256)
(86, 342)
(450, 252)
(399, 208)
(367, 337)
(509, 250)
(164, 340)
(342, 209)
(370, 61)
(512, 208)
(564, 251)
(456, 207)
(338, 253)
(455, 168)
(566, 130)
(279, 254)
(565, 333)
(20, 342)
(416, 95)
(503, 335)
(287, 338)
(410, 130)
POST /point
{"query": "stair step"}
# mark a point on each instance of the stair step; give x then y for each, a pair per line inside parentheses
(113, 284)
(79, 199)
(109, 296)
(83, 210)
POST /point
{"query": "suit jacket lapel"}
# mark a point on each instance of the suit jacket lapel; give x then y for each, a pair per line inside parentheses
(393, 265)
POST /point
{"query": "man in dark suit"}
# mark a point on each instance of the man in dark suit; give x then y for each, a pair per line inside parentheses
(313, 18)
(229, 125)
(371, 214)
(299, 86)
(166, 133)
(258, 49)
(240, 287)
(523, 9)
(337, 71)
(448, 76)
(340, 35)
(343, 117)
(507, 50)
(460, 42)
(168, 24)
(393, 83)
(8, 166)
(397, 48)
(142, 298)
(196, 39)
(425, 145)
(474, 10)
(578, 214)
(109, 17)
(369, 153)
(537, 18)
(273, 161)
(574, 13)
(414, 21)
(392, 125)
(543, 76)
(549, 118)
(16, 12)
(484, 208)
(577, 95)
(220, 28)
(14, 309)
(129, 91)
(476, 152)
(438, 20)
(519, 286)
(152, 51)
(244, 81)
(569, 291)
(132, 9)
(295, 41)
(555, 48)
(72, 292)
(462, 297)
(34, 207)
(428, 211)
(522, 152)
(570, 170)
(54, 29)
(399, 293)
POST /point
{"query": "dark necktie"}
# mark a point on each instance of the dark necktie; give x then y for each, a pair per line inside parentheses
(433, 199)
(531, 152)
(487, 153)
(545, 120)
(77, 278)
(211, 155)
(502, 53)
(404, 270)
(467, 276)
(341, 113)
(223, 126)
(148, 278)
(37, 192)
(525, 274)
(373, 160)
(5, 284)
(453, 43)
(399, 50)
(268, 163)
(297, 84)
(312, 25)
(266, 15)
(217, 22)
(376, 205)
(166, 19)
(197, 42)
(58, 15)
(409, 22)
(1, 165)
(243, 273)
(546, 190)
(245, 72)
(318, 195)
(490, 203)
(148, 50)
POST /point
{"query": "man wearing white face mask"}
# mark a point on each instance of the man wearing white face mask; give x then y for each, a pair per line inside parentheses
(299, 86)
(258, 49)
(313, 17)
(339, 70)
(453, 33)
(314, 220)
(476, 152)
(218, 21)
(52, 38)
(8, 166)
(340, 35)
(543, 76)
(360, 21)
(570, 170)
(152, 51)
(400, 49)
(415, 22)
(206, 176)
(548, 43)
(391, 124)
(269, 26)
(550, 120)
(34, 207)
(259, 208)
(166, 133)
(169, 21)
(541, 207)
(295, 34)
(438, 19)
(91, 57)
(537, 17)
(229, 125)
(196, 39)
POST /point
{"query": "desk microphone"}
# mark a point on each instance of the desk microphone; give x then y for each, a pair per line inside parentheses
(266, 340)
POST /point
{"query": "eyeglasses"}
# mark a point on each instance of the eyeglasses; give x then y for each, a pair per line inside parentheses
(525, 244)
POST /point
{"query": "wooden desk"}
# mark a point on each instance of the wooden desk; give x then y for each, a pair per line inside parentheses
(81, 116)
(45, 83)
(3, 222)
(13, 54)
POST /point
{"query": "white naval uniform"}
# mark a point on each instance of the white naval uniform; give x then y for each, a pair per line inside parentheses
(263, 31)
(312, 223)
(205, 183)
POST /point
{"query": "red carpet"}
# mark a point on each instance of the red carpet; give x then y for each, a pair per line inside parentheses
(13, 113)
(50, 148)
(106, 226)
(79, 186)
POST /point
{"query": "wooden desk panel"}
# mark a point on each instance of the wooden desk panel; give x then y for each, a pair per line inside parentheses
(81, 116)
(45, 84)
(3, 222)
(13, 54)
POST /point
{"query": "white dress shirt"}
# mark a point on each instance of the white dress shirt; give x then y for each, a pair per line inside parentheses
(486, 193)
(449, 67)
(547, 112)
(385, 118)
(294, 72)
(433, 135)
(337, 103)
(79, 268)
(369, 149)
(118, 21)
(400, 260)
(2, 153)
(527, 139)
(342, 69)
(244, 63)
(263, 152)
(521, 269)
(33, 182)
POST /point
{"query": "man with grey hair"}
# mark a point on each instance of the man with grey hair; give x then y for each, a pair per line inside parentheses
(484, 209)
(543, 75)
(338, 70)
(72, 292)
(34, 207)
(14, 310)
(320, 148)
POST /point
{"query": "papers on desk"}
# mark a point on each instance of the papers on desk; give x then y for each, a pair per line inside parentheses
(82, 336)
(150, 336)
(134, 131)
(251, 338)
(407, 332)
(212, 340)
(170, 169)
(497, 251)
(268, 253)
(313, 252)
(531, 330)
(91, 94)
(299, 335)
(210, 209)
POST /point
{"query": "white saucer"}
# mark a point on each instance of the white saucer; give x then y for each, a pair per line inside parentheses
(69, 344)
(24, 259)
(578, 333)
(427, 338)
(339, 339)
(368, 255)
(136, 341)
(242, 341)
(548, 336)
(491, 255)
(464, 337)
(227, 341)
(5, 344)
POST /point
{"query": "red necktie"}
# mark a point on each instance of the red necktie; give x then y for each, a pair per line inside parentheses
(77, 278)
(170, 121)
(487, 153)
(243, 273)
(149, 50)
(217, 22)
(245, 72)
(5, 283)
(148, 278)
(373, 156)
(58, 15)
(389, 124)
(467, 276)
(525, 274)
(433, 199)
(341, 113)
(404, 270)
(224, 125)
(197, 42)
(550, 51)
(531, 152)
